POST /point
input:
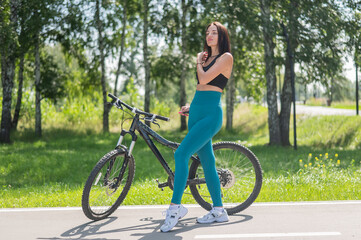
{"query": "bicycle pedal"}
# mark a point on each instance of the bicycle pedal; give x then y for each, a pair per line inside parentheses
(159, 184)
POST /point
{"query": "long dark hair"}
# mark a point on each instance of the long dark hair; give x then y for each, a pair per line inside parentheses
(224, 44)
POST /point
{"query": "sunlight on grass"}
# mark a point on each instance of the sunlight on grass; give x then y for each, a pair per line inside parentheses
(52, 171)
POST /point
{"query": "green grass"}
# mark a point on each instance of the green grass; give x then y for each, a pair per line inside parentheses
(51, 171)
(347, 104)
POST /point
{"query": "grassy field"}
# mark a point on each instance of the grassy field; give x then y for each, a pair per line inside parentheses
(51, 171)
(347, 104)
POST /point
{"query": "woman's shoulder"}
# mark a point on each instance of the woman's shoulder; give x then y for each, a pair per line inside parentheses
(226, 57)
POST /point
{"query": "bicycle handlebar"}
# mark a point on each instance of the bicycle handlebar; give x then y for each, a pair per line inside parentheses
(135, 110)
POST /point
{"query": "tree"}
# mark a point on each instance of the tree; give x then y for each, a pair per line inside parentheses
(183, 33)
(185, 8)
(8, 44)
(44, 16)
(122, 45)
(146, 56)
(313, 29)
(38, 128)
(353, 43)
(292, 8)
(269, 45)
(24, 45)
(90, 33)
(16, 117)
(326, 19)
(243, 26)
(101, 45)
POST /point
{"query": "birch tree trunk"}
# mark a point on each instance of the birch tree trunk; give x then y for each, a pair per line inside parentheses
(286, 100)
(231, 90)
(120, 60)
(8, 41)
(102, 66)
(183, 64)
(268, 33)
(7, 77)
(145, 57)
(38, 130)
(286, 96)
(20, 92)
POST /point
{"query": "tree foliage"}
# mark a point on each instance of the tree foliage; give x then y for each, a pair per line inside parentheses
(103, 50)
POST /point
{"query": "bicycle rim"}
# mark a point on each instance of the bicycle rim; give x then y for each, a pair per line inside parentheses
(240, 177)
(105, 190)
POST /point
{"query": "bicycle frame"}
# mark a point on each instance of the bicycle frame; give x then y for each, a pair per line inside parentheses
(145, 132)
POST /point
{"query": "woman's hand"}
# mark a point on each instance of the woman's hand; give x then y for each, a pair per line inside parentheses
(184, 111)
(201, 57)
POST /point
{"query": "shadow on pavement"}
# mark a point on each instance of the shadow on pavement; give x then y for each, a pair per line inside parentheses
(185, 225)
(148, 229)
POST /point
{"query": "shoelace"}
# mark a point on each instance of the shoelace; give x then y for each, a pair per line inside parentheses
(167, 219)
(165, 213)
(212, 213)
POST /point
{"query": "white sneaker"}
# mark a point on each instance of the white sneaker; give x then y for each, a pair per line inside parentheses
(214, 216)
(172, 218)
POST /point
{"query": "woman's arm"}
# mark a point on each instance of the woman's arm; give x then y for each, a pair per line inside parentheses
(223, 65)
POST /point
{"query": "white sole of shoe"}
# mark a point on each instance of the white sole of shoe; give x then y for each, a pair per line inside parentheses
(220, 220)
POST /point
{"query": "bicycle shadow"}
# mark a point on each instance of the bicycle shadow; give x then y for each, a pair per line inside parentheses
(85, 230)
(94, 229)
(186, 225)
(89, 229)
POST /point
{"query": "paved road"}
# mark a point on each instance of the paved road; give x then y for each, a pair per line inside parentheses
(340, 220)
(316, 110)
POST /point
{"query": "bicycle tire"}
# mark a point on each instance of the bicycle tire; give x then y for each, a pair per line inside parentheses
(240, 177)
(101, 195)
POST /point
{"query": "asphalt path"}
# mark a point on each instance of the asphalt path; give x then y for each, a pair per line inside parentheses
(318, 110)
(339, 220)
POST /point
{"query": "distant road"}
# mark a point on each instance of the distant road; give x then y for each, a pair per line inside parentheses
(316, 110)
(336, 220)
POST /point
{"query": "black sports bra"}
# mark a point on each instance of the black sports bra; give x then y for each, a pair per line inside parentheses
(219, 81)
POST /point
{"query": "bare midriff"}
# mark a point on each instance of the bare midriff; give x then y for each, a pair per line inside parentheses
(201, 87)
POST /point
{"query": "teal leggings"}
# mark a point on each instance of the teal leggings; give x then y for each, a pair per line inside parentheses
(205, 120)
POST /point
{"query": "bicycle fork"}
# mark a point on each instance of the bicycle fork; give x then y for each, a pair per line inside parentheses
(131, 147)
(125, 162)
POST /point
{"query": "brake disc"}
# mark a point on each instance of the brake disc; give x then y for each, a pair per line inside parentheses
(226, 178)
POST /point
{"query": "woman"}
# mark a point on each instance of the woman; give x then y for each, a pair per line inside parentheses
(214, 67)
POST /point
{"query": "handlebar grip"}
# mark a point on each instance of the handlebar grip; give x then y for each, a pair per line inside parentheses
(163, 118)
(112, 96)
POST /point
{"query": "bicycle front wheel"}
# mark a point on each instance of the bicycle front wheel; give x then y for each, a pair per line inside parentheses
(240, 176)
(108, 184)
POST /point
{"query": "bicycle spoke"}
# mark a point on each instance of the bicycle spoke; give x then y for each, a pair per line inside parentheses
(240, 177)
(104, 195)
(104, 191)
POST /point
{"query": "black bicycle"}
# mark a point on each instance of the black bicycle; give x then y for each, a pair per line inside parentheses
(239, 171)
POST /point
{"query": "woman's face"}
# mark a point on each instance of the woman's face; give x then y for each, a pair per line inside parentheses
(212, 36)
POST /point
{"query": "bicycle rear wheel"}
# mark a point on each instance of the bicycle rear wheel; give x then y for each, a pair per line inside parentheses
(108, 184)
(240, 176)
